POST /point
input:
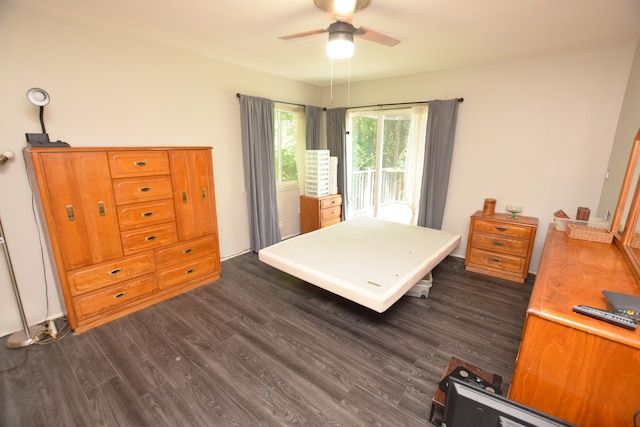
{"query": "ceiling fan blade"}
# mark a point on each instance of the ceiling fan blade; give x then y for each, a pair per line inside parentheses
(304, 34)
(374, 36)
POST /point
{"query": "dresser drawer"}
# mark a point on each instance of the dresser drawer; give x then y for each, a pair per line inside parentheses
(330, 213)
(138, 163)
(145, 189)
(108, 273)
(511, 230)
(189, 271)
(331, 201)
(148, 238)
(113, 297)
(497, 243)
(144, 214)
(331, 222)
(186, 251)
(496, 261)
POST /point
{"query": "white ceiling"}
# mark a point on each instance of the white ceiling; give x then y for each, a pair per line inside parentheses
(434, 34)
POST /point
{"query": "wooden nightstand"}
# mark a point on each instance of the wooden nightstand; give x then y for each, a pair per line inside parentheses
(319, 212)
(500, 246)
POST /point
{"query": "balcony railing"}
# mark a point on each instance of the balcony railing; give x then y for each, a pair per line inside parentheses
(361, 194)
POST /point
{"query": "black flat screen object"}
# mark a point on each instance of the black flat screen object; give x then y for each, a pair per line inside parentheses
(628, 305)
(468, 377)
(469, 406)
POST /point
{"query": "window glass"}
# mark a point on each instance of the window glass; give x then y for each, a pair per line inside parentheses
(287, 135)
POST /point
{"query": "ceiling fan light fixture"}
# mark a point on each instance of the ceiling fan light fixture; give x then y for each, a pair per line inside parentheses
(340, 45)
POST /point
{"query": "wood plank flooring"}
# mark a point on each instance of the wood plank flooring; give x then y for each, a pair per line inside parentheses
(262, 348)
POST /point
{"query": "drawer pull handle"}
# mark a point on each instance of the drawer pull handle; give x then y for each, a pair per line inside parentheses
(501, 228)
(184, 197)
(147, 214)
(498, 244)
(495, 259)
(204, 194)
(70, 215)
(151, 238)
(140, 163)
(144, 189)
(119, 295)
(187, 251)
(101, 208)
(189, 271)
(115, 271)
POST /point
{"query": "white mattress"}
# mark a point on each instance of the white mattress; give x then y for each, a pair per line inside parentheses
(372, 262)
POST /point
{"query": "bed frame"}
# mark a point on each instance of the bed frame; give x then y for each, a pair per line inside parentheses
(372, 262)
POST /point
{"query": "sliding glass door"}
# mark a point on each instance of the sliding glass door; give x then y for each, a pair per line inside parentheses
(381, 164)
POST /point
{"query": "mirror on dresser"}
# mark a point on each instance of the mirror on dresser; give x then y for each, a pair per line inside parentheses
(625, 224)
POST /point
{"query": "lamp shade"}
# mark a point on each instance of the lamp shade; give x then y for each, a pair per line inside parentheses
(340, 45)
(38, 96)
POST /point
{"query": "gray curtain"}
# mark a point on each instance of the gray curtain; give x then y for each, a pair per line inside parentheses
(256, 121)
(313, 126)
(336, 144)
(441, 130)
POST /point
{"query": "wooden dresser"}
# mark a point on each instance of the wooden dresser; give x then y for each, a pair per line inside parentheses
(126, 227)
(579, 369)
(500, 246)
(319, 212)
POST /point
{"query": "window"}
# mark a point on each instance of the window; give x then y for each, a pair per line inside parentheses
(288, 127)
(382, 161)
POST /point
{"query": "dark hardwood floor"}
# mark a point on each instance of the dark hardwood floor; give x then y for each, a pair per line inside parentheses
(260, 347)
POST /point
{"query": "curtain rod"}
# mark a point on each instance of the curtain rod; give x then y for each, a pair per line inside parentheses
(284, 102)
(364, 106)
(397, 103)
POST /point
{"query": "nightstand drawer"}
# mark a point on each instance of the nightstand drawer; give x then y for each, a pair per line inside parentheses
(136, 190)
(148, 238)
(331, 213)
(331, 201)
(145, 214)
(108, 273)
(114, 297)
(511, 230)
(496, 261)
(138, 163)
(495, 243)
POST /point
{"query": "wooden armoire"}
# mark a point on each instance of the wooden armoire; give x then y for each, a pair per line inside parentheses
(126, 227)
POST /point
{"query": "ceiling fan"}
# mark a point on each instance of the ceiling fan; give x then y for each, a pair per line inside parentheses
(342, 31)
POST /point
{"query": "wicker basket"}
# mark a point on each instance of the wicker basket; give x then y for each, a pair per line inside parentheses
(592, 234)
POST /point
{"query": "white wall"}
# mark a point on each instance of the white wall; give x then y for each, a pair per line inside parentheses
(109, 90)
(535, 131)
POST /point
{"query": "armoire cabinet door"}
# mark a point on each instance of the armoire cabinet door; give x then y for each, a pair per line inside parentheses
(193, 192)
(81, 199)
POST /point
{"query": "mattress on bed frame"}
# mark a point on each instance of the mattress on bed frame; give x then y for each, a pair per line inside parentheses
(372, 262)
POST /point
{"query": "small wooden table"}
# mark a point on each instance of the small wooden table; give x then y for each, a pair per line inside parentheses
(439, 398)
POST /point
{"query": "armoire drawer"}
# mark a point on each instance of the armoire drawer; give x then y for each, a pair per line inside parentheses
(113, 297)
(189, 271)
(185, 251)
(148, 238)
(108, 273)
(143, 189)
(138, 163)
(144, 214)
